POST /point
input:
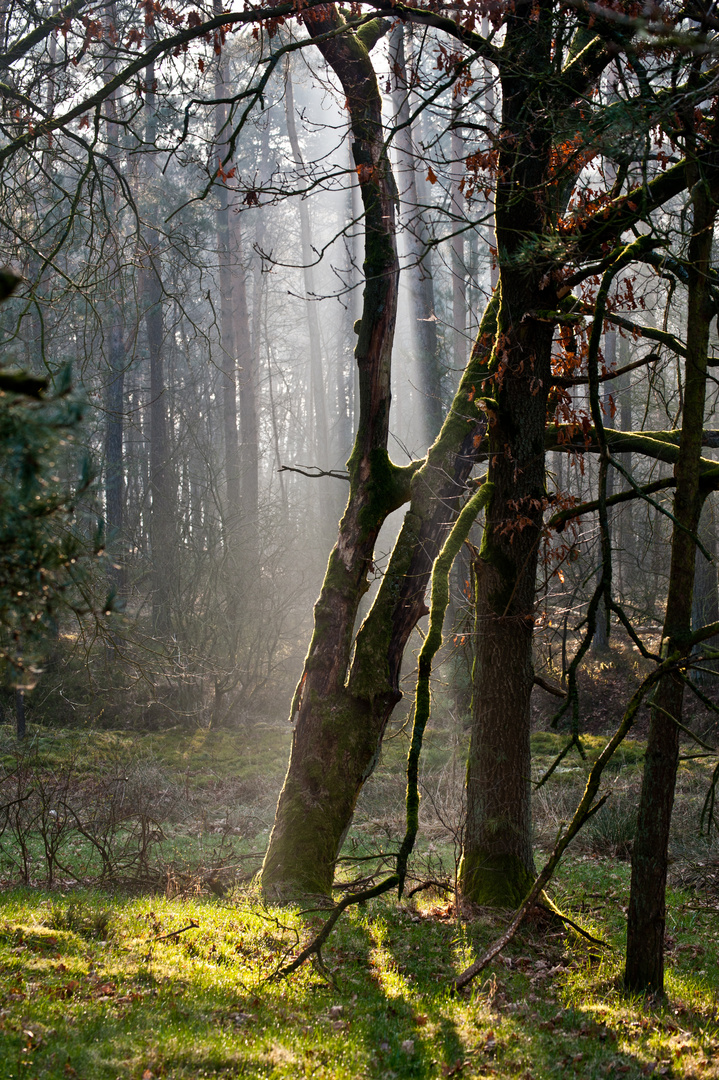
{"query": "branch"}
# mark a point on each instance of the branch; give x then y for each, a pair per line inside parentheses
(314, 472)
(192, 925)
(611, 221)
(582, 380)
(549, 687)
(46, 27)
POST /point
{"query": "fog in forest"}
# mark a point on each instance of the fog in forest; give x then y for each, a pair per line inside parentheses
(358, 505)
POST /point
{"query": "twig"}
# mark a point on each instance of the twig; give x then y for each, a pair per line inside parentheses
(192, 925)
(575, 926)
(314, 472)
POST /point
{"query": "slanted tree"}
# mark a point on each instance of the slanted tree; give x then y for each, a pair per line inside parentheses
(330, 749)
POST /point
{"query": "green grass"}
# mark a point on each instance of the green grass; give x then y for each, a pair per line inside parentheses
(90, 989)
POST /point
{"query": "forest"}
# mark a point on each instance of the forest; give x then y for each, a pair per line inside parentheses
(359, 605)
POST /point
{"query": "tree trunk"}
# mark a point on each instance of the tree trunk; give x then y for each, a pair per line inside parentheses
(626, 559)
(497, 862)
(705, 605)
(647, 903)
(248, 365)
(329, 749)
(251, 492)
(20, 727)
(423, 319)
(115, 387)
(320, 450)
(459, 269)
(162, 538)
(600, 642)
(227, 329)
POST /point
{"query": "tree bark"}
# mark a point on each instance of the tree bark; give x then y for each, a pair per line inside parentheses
(329, 748)
(644, 969)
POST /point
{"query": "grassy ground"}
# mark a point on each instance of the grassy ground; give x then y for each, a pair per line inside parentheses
(176, 983)
(93, 987)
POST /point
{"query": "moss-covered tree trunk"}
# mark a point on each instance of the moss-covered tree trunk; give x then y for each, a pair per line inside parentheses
(497, 863)
(348, 690)
(647, 904)
(331, 747)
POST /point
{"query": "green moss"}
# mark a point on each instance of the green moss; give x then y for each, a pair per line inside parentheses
(494, 880)
(388, 488)
(369, 34)
(309, 829)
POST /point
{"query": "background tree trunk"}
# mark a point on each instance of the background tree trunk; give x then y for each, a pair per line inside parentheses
(423, 319)
(117, 362)
(320, 450)
(162, 537)
(227, 328)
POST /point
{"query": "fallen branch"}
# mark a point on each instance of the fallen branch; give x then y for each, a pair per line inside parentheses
(430, 885)
(315, 946)
(575, 926)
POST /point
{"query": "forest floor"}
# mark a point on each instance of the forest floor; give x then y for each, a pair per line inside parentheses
(152, 954)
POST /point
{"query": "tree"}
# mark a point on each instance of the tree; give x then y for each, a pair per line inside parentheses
(542, 254)
(646, 923)
(46, 562)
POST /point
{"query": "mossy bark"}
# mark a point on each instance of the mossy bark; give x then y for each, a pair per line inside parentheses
(331, 743)
(497, 864)
(644, 969)
(348, 690)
